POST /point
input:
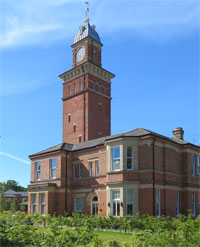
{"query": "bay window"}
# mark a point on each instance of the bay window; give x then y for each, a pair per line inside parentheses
(116, 203)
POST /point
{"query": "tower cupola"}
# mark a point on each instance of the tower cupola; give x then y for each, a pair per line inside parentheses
(86, 30)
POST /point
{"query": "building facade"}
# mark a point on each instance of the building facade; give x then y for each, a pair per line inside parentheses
(99, 174)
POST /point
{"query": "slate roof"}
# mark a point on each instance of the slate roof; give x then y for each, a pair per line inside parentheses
(101, 141)
(12, 193)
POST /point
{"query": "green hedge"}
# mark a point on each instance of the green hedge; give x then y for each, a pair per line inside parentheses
(78, 230)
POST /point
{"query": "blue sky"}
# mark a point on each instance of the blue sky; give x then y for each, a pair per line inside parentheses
(151, 46)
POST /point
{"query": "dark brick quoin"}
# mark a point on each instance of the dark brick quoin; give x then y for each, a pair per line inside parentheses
(163, 179)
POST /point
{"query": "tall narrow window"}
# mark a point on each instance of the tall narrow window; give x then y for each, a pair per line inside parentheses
(80, 86)
(95, 205)
(97, 168)
(79, 204)
(42, 204)
(74, 88)
(193, 165)
(34, 203)
(90, 169)
(194, 205)
(130, 202)
(79, 138)
(74, 128)
(53, 168)
(69, 91)
(198, 165)
(80, 170)
(69, 118)
(99, 88)
(177, 203)
(105, 90)
(94, 85)
(74, 171)
(116, 203)
(158, 202)
(129, 158)
(116, 159)
(100, 107)
(37, 170)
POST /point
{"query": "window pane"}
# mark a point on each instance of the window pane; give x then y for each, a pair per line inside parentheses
(129, 209)
(129, 151)
(42, 198)
(116, 153)
(118, 208)
(129, 163)
(42, 209)
(53, 173)
(115, 194)
(79, 203)
(116, 165)
(34, 209)
(129, 195)
(53, 163)
(33, 198)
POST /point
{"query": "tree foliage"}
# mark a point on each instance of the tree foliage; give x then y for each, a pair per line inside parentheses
(11, 185)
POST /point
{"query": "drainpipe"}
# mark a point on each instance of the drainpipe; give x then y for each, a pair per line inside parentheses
(66, 187)
(153, 164)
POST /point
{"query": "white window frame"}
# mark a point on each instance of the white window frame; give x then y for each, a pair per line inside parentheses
(90, 168)
(52, 169)
(129, 202)
(131, 157)
(80, 170)
(198, 165)
(33, 204)
(97, 167)
(194, 205)
(42, 203)
(37, 171)
(158, 201)
(177, 203)
(115, 159)
(75, 204)
(114, 203)
(193, 165)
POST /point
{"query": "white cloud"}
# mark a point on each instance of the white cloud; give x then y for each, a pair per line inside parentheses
(14, 157)
(35, 21)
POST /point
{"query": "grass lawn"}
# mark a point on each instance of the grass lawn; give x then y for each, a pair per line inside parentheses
(117, 236)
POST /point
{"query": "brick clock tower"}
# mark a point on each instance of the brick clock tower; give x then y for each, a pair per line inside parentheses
(86, 90)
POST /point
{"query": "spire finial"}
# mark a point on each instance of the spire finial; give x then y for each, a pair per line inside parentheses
(87, 13)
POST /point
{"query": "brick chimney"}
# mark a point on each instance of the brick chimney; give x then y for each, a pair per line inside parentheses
(178, 133)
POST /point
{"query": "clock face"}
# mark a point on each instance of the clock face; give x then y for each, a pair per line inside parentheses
(80, 54)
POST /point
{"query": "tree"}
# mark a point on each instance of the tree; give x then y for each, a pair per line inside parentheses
(14, 205)
(4, 204)
(11, 185)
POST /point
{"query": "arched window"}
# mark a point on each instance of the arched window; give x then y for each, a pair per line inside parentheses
(94, 206)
